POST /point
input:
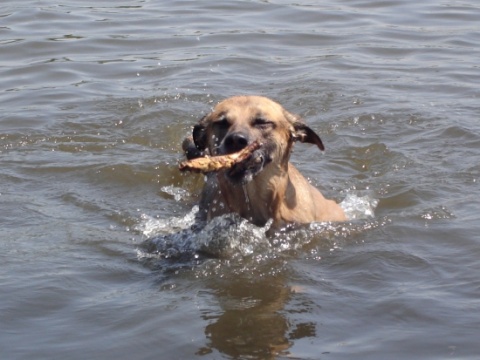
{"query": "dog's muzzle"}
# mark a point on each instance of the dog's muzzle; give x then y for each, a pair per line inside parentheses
(245, 171)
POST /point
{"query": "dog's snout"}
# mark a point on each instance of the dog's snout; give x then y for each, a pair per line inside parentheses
(235, 142)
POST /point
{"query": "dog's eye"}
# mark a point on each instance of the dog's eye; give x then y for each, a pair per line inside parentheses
(262, 123)
(222, 122)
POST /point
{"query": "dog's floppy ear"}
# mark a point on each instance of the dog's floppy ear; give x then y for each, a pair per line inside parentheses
(302, 132)
(306, 135)
(200, 134)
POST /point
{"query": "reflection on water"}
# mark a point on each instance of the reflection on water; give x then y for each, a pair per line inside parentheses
(251, 322)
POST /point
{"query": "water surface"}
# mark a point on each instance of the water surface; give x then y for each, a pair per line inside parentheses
(95, 100)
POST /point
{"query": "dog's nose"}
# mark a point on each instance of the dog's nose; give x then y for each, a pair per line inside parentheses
(235, 142)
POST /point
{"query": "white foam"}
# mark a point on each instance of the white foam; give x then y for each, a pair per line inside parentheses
(230, 235)
(359, 207)
(151, 226)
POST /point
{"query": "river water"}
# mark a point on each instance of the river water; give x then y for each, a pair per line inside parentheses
(95, 99)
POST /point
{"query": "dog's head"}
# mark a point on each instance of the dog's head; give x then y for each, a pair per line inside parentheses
(238, 121)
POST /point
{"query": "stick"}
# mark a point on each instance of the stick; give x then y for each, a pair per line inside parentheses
(221, 162)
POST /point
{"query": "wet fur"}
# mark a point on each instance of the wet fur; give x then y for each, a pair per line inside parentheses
(267, 186)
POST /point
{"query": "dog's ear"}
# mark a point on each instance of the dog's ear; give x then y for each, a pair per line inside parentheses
(302, 132)
(190, 149)
(200, 134)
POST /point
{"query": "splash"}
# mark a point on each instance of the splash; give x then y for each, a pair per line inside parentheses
(359, 207)
(230, 236)
(151, 226)
(177, 193)
(225, 236)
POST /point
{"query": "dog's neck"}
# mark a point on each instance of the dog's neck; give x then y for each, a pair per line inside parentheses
(262, 198)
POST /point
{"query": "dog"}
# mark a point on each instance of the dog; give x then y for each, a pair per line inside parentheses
(266, 186)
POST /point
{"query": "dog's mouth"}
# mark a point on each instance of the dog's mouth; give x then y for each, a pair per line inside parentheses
(246, 170)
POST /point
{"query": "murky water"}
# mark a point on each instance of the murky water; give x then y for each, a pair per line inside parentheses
(95, 99)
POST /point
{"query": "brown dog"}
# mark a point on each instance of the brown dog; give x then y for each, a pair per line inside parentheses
(267, 186)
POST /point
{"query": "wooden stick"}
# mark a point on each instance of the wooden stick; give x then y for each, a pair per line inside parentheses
(221, 162)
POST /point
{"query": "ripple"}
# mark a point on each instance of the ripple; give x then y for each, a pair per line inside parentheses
(438, 213)
(95, 100)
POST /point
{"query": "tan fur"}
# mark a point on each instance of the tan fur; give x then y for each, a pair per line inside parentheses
(278, 191)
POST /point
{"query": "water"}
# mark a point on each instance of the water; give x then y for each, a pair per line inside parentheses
(95, 100)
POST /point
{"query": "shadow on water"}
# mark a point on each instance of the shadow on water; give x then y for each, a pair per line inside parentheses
(247, 274)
